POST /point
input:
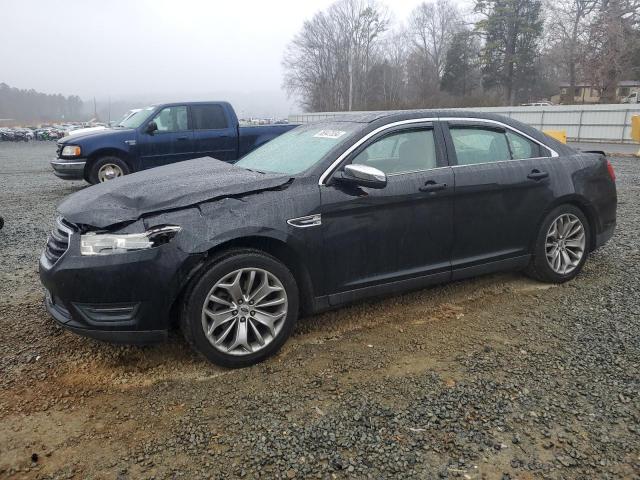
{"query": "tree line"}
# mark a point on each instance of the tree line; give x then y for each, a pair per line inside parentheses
(353, 56)
(28, 105)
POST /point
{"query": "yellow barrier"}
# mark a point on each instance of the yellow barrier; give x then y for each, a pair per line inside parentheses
(635, 128)
(560, 135)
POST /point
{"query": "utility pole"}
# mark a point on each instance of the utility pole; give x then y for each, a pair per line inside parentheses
(350, 80)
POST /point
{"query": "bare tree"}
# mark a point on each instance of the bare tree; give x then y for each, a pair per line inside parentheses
(345, 58)
(327, 64)
(610, 44)
(388, 75)
(568, 28)
(432, 27)
(361, 23)
(312, 63)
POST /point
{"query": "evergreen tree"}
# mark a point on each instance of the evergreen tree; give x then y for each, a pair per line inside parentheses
(461, 62)
(512, 30)
(29, 105)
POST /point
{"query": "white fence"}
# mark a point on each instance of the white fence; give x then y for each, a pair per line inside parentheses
(583, 123)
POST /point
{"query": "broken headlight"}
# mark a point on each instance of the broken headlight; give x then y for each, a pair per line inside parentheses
(93, 243)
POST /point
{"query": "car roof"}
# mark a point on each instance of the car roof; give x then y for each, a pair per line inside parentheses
(379, 118)
(399, 115)
(173, 104)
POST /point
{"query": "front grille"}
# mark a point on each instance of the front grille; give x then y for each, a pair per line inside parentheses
(59, 150)
(58, 241)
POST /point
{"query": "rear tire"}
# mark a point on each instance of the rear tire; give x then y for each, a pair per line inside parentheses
(561, 245)
(236, 318)
(107, 168)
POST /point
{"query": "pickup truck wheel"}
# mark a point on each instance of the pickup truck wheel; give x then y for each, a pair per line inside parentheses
(561, 246)
(242, 308)
(107, 168)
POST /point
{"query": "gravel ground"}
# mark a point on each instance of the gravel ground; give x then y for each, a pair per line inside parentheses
(496, 377)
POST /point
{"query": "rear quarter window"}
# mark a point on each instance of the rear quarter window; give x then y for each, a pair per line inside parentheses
(522, 147)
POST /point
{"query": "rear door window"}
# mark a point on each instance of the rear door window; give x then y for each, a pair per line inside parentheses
(479, 145)
(208, 117)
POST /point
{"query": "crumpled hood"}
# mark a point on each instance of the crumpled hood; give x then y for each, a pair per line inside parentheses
(165, 188)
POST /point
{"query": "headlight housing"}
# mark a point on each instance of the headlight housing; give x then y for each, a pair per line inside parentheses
(93, 243)
(71, 151)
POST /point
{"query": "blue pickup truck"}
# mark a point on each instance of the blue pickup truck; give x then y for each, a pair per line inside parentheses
(159, 135)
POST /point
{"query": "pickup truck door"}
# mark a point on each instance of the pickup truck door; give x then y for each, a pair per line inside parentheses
(171, 142)
(213, 135)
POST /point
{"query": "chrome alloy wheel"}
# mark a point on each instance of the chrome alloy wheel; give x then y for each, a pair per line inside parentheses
(244, 311)
(109, 171)
(565, 243)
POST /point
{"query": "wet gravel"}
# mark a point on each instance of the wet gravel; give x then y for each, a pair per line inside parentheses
(29, 193)
(497, 377)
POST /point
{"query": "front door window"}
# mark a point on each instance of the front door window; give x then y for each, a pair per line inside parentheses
(172, 119)
(401, 152)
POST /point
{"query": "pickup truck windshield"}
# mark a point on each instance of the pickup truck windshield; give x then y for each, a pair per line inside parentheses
(137, 119)
(298, 149)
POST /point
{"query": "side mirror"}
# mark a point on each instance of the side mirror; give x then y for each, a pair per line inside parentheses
(151, 127)
(362, 175)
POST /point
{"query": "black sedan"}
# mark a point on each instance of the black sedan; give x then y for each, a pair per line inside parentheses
(324, 215)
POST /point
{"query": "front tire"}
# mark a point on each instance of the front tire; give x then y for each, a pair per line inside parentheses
(242, 308)
(561, 246)
(107, 168)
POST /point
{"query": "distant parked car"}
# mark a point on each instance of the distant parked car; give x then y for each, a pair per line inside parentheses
(159, 135)
(24, 134)
(20, 135)
(98, 128)
(7, 135)
(632, 98)
(322, 216)
(536, 104)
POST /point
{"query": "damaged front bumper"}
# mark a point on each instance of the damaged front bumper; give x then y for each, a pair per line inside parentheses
(63, 317)
(122, 298)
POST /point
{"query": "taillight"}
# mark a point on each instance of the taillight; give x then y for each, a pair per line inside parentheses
(612, 174)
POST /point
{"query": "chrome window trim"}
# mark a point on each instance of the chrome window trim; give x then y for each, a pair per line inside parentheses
(350, 150)
(498, 161)
(396, 174)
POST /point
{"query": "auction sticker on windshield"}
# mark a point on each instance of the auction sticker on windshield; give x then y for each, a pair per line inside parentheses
(329, 134)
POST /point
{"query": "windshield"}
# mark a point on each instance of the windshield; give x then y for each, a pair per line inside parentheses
(137, 119)
(298, 149)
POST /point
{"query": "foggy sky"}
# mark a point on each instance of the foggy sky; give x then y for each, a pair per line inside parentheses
(157, 50)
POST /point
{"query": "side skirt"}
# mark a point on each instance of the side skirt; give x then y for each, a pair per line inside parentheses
(330, 302)
(515, 263)
(390, 288)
